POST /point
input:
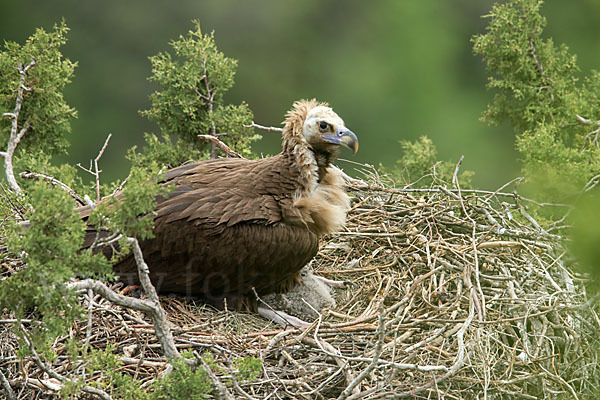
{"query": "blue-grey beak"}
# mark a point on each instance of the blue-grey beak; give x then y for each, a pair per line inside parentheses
(345, 137)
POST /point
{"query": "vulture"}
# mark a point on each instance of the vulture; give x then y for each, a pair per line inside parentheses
(231, 229)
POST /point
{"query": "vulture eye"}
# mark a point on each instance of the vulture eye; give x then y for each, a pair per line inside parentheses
(323, 126)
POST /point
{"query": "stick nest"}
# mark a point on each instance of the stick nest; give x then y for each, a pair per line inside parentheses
(457, 294)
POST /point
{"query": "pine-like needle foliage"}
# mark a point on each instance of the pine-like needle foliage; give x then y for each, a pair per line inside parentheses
(537, 90)
(192, 83)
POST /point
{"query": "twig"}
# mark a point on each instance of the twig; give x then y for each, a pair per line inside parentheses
(592, 183)
(455, 175)
(115, 298)
(54, 182)
(460, 357)
(209, 98)
(373, 187)
(88, 329)
(222, 146)
(6, 385)
(236, 385)
(264, 128)
(13, 205)
(591, 134)
(96, 172)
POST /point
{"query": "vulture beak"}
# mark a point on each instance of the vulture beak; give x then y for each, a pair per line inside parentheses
(345, 137)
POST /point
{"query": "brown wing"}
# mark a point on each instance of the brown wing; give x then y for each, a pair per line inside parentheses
(219, 193)
(227, 226)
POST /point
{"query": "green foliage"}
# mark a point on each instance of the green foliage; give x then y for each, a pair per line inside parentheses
(419, 166)
(123, 213)
(42, 163)
(164, 152)
(536, 89)
(190, 101)
(249, 368)
(44, 106)
(107, 363)
(50, 248)
(183, 383)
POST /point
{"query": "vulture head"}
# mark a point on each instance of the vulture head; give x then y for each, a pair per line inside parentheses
(313, 134)
(325, 131)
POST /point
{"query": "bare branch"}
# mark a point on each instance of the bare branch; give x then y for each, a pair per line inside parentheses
(15, 134)
(592, 183)
(592, 136)
(264, 128)
(6, 385)
(161, 325)
(221, 391)
(222, 146)
(96, 172)
(54, 182)
(115, 298)
(208, 98)
(152, 306)
(455, 175)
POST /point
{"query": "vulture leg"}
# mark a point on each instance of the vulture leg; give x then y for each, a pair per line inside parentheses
(335, 284)
(281, 318)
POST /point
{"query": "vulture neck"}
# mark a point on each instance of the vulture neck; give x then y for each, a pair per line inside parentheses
(310, 164)
(302, 161)
(324, 160)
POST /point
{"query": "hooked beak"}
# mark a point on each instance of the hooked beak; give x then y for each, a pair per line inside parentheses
(345, 137)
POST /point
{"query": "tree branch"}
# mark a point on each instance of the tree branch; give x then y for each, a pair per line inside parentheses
(6, 385)
(222, 146)
(15, 134)
(221, 391)
(115, 298)
(54, 182)
(209, 97)
(96, 172)
(264, 128)
(161, 325)
(152, 306)
(591, 136)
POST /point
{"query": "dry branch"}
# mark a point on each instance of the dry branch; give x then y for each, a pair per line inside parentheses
(221, 146)
(94, 170)
(264, 128)
(16, 134)
(54, 182)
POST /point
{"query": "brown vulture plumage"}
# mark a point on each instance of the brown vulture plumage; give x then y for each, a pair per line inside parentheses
(231, 225)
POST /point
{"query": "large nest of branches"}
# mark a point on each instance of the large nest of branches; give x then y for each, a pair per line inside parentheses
(458, 294)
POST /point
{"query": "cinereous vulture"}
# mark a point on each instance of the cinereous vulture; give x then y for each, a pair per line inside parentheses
(234, 228)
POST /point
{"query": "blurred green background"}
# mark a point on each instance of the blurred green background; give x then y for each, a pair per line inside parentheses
(393, 69)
